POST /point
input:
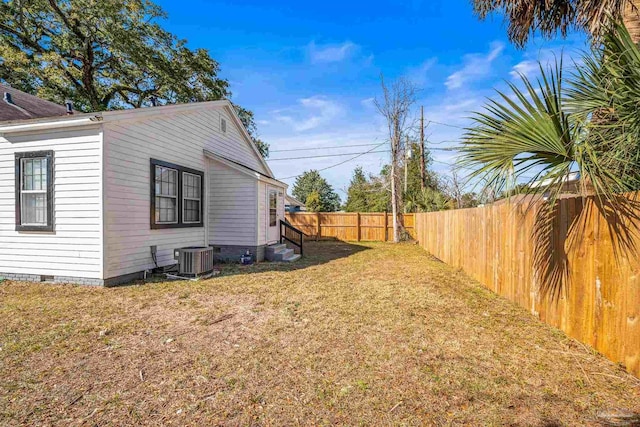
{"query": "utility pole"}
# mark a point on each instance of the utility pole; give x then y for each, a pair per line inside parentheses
(422, 162)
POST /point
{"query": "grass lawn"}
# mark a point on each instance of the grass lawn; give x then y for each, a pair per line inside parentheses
(352, 334)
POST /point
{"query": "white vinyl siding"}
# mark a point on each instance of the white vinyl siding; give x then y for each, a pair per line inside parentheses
(129, 147)
(103, 191)
(232, 206)
(74, 248)
(262, 213)
(179, 138)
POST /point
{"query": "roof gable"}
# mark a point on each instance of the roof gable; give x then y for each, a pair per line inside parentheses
(231, 111)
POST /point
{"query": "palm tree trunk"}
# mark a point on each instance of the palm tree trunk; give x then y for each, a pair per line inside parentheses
(631, 19)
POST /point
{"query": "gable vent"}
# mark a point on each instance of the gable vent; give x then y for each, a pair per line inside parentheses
(223, 125)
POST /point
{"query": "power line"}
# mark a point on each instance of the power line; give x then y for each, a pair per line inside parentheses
(446, 124)
(338, 164)
(322, 148)
(319, 156)
(328, 155)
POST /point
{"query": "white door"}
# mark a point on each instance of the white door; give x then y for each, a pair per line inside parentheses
(273, 225)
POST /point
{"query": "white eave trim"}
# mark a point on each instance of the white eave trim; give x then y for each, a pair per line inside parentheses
(36, 126)
(86, 119)
(245, 170)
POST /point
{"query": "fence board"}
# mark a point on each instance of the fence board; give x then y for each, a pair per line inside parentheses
(599, 302)
(349, 226)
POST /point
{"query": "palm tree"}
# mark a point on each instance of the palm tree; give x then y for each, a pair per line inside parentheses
(524, 17)
(544, 131)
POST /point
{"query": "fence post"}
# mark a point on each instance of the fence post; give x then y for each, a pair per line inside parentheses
(358, 222)
(318, 230)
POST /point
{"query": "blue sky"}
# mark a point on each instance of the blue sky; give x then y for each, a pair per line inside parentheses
(310, 70)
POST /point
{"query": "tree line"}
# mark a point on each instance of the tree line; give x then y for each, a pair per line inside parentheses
(106, 55)
(368, 192)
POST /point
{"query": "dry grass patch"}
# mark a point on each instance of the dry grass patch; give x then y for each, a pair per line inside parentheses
(353, 334)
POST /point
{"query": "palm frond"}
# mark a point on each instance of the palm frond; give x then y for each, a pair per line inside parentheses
(524, 18)
(604, 94)
(523, 136)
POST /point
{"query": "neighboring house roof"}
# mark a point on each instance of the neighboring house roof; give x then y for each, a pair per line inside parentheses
(24, 106)
(25, 124)
(292, 201)
(571, 177)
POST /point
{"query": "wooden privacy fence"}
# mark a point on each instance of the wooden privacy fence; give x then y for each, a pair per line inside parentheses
(599, 302)
(349, 226)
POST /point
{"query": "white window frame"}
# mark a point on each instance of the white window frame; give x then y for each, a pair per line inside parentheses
(177, 184)
(184, 197)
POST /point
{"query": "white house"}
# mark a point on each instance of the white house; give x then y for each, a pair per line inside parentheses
(84, 197)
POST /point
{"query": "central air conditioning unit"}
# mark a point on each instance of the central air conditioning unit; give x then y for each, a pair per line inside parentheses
(194, 260)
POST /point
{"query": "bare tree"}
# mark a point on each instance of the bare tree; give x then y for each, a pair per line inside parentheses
(395, 106)
(454, 188)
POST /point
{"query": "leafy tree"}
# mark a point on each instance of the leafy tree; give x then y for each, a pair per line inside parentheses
(428, 200)
(358, 192)
(524, 17)
(468, 200)
(414, 185)
(380, 191)
(105, 55)
(311, 181)
(313, 203)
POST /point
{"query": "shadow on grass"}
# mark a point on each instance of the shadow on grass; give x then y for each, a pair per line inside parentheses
(315, 253)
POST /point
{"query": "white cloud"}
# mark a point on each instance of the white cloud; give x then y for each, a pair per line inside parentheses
(368, 102)
(530, 65)
(331, 52)
(419, 74)
(526, 68)
(475, 66)
(316, 110)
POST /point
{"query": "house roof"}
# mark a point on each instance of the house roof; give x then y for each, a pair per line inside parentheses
(568, 178)
(25, 124)
(26, 106)
(292, 201)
